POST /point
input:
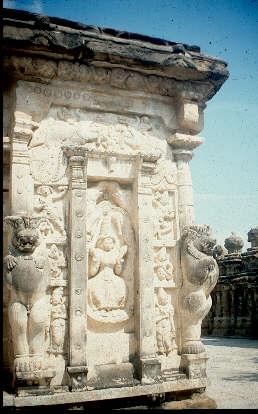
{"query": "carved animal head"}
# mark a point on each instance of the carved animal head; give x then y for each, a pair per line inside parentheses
(200, 236)
(25, 236)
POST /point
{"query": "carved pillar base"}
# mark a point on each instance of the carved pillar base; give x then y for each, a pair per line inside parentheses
(150, 370)
(34, 382)
(78, 378)
(193, 347)
(194, 365)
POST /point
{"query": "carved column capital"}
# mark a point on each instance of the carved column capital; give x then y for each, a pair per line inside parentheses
(184, 142)
(77, 161)
(76, 155)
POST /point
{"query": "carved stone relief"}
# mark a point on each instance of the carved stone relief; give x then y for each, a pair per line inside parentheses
(200, 275)
(50, 207)
(165, 326)
(101, 132)
(110, 241)
(163, 268)
(29, 307)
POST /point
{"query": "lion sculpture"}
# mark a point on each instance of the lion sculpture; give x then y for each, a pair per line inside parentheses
(200, 275)
(26, 276)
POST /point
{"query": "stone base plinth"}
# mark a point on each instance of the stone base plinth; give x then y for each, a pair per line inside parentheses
(80, 397)
(194, 365)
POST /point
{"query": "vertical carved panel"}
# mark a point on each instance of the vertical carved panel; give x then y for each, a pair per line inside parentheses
(149, 365)
(77, 368)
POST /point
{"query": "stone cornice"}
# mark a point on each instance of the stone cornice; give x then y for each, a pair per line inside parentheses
(27, 34)
(33, 68)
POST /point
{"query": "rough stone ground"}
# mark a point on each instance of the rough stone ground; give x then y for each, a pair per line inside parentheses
(233, 372)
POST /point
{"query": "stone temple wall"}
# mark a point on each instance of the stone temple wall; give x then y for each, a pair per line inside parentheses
(107, 276)
(234, 310)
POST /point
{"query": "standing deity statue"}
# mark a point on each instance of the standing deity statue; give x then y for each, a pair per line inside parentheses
(29, 307)
(165, 327)
(107, 290)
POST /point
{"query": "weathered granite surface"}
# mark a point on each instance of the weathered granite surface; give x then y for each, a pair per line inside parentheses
(108, 278)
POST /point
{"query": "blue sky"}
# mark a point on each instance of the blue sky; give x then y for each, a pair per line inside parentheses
(225, 167)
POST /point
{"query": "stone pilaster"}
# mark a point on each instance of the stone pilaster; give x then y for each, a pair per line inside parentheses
(185, 191)
(149, 366)
(183, 146)
(77, 365)
(21, 181)
(183, 142)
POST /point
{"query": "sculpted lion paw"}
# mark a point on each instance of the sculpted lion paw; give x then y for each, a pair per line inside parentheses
(10, 262)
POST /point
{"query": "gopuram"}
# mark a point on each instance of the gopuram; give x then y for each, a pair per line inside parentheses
(107, 278)
(234, 310)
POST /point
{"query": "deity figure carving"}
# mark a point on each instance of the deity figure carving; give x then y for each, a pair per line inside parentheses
(200, 275)
(25, 274)
(45, 206)
(165, 327)
(107, 290)
(109, 236)
(56, 262)
(163, 267)
(163, 225)
(58, 321)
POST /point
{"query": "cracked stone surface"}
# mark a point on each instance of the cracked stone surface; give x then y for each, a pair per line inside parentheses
(232, 372)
